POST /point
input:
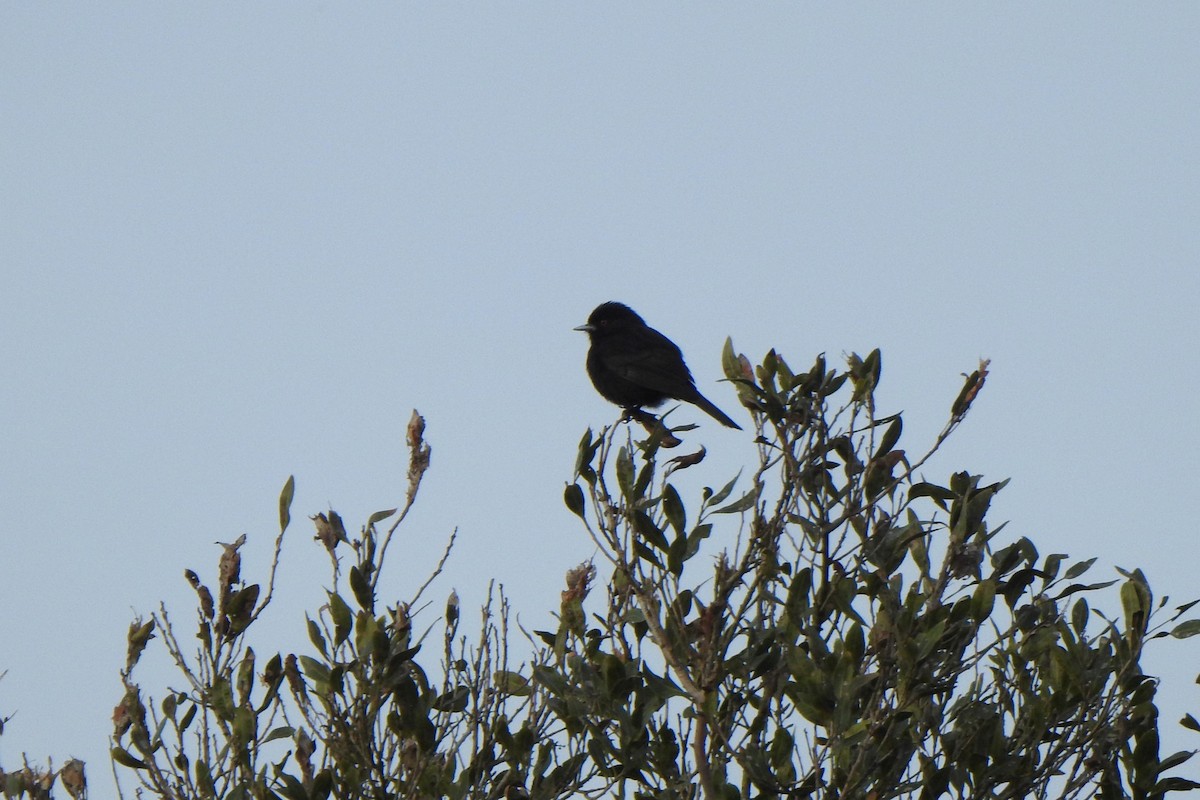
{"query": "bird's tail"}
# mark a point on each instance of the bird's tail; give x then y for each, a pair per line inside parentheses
(714, 412)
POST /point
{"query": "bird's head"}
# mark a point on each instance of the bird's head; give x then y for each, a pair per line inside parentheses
(609, 316)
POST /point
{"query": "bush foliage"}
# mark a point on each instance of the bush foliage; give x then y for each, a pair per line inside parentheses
(827, 624)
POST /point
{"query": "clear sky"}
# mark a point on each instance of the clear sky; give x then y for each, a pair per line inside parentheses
(242, 241)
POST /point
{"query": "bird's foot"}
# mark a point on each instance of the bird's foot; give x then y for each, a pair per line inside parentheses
(653, 426)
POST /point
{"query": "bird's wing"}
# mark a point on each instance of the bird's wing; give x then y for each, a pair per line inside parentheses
(655, 362)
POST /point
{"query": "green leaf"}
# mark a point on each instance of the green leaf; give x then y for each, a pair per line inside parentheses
(1174, 760)
(731, 365)
(634, 616)
(983, 600)
(379, 516)
(573, 498)
(726, 490)
(315, 636)
(1079, 616)
(245, 677)
(1183, 608)
(511, 683)
(343, 618)
(625, 472)
(1135, 601)
(1017, 584)
(367, 639)
(647, 530)
(315, 670)
(285, 502)
(1083, 587)
(684, 547)
(743, 503)
(644, 552)
(810, 692)
(940, 494)
(220, 697)
(675, 555)
(1050, 568)
(1186, 630)
(551, 680)
(1173, 785)
(564, 775)
(453, 701)
(660, 686)
(799, 596)
(244, 725)
(126, 759)
(929, 640)
(698, 535)
(204, 781)
(644, 478)
(865, 373)
(890, 437)
(587, 452)
(673, 509)
(188, 716)
(322, 785)
(780, 751)
(1075, 570)
(364, 595)
(284, 732)
(240, 610)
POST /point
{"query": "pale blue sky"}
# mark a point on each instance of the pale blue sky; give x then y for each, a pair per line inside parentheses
(239, 242)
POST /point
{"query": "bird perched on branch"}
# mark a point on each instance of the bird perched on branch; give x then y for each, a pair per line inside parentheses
(633, 365)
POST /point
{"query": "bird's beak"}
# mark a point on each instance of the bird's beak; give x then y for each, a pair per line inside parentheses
(585, 328)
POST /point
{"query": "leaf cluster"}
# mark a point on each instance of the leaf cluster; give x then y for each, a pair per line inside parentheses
(829, 622)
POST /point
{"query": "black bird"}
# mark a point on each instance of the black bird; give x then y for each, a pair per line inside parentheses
(633, 365)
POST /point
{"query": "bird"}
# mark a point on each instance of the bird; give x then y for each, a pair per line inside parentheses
(633, 365)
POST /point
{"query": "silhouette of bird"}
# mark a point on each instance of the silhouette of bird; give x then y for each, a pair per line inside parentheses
(633, 365)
